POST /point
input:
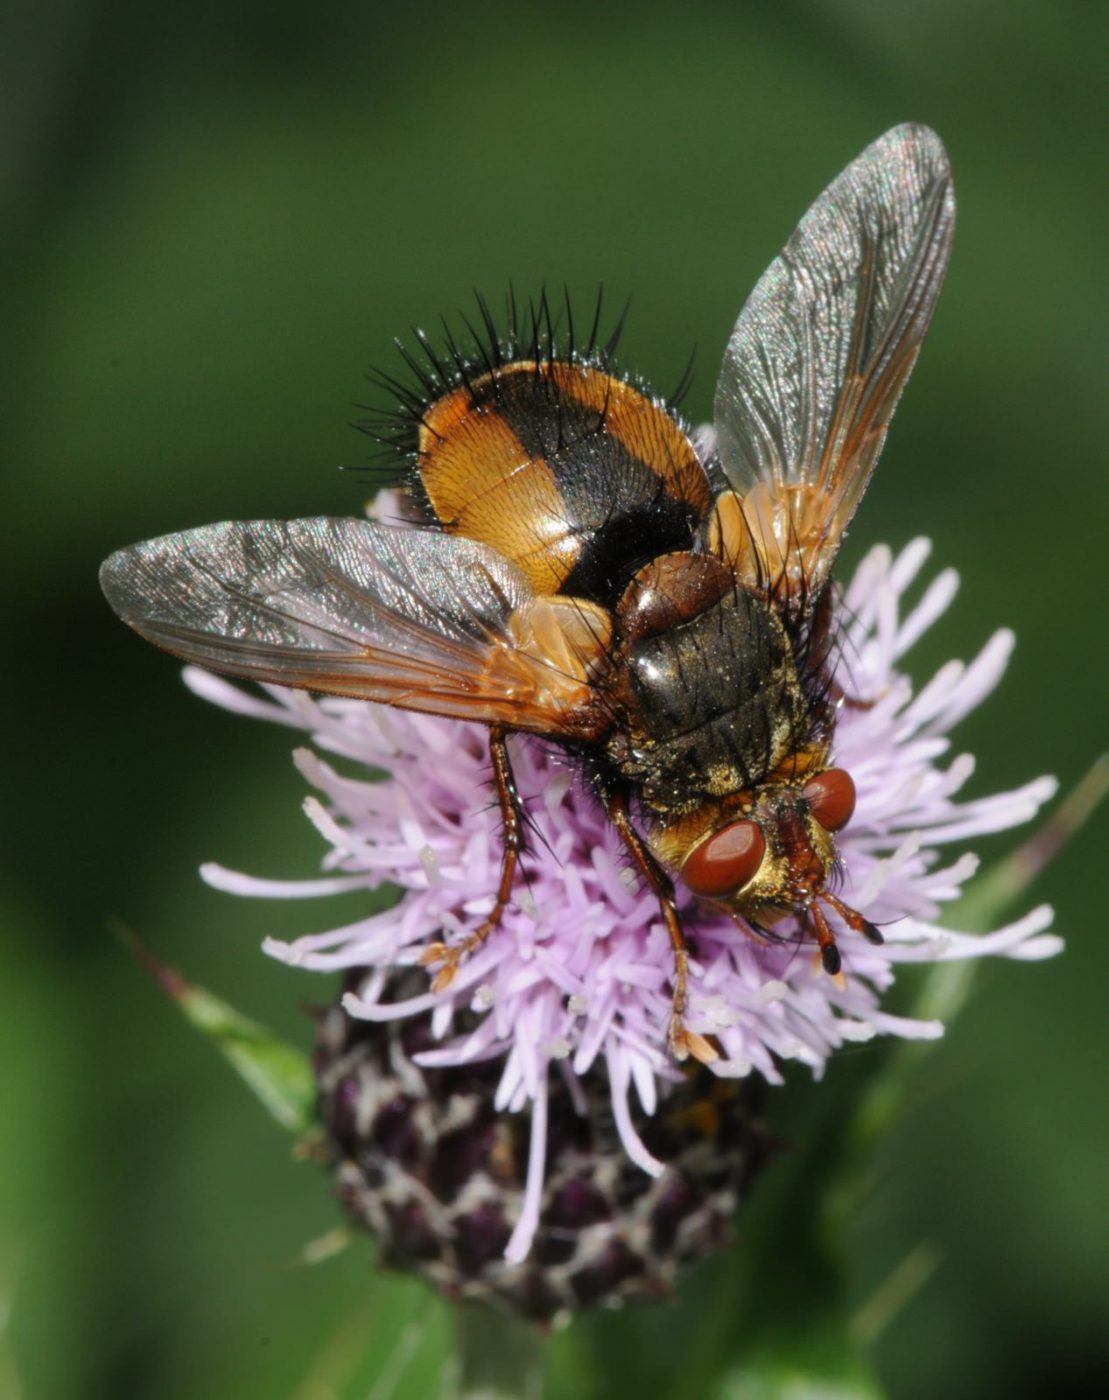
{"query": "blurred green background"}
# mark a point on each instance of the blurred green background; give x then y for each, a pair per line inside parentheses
(216, 217)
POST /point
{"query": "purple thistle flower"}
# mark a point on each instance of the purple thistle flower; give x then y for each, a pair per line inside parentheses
(578, 974)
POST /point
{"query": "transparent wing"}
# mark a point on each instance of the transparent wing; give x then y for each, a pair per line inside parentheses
(413, 618)
(822, 350)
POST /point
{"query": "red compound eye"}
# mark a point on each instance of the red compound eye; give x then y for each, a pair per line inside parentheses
(726, 861)
(831, 798)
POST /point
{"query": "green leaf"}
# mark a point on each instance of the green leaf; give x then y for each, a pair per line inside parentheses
(279, 1074)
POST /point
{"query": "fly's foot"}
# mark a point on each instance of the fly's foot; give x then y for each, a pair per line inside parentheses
(451, 960)
(449, 957)
(684, 1043)
(680, 1040)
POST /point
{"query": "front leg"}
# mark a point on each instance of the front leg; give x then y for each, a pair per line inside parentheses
(682, 1042)
(512, 845)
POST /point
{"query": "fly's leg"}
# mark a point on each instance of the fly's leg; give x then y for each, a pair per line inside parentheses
(822, 635)
(830, 959)
(682, 1042)
(449, 957)
(854, 920)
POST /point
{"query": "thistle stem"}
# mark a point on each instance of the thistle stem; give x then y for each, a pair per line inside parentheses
(496, 1356)
(987, 899)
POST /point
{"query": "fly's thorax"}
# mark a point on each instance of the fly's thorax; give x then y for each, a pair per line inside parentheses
(572, 473)
(704, 687)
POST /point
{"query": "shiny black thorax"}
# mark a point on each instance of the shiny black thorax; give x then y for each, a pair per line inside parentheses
(706, 707)
(698, 698)
(702, 689)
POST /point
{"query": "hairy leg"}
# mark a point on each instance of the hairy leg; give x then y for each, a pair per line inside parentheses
(449, 957)
(682, 1041)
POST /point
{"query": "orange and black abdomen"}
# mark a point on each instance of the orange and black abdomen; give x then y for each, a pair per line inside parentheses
(574, 475)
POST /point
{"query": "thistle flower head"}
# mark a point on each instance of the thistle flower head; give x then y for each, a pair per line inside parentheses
(576, 981)
(423, 1159)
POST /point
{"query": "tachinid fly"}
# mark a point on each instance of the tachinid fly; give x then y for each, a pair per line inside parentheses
(581, 567)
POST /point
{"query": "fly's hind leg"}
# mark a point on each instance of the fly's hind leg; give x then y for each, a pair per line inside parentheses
(449, 957)
(822, 644)
(682, 1042)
